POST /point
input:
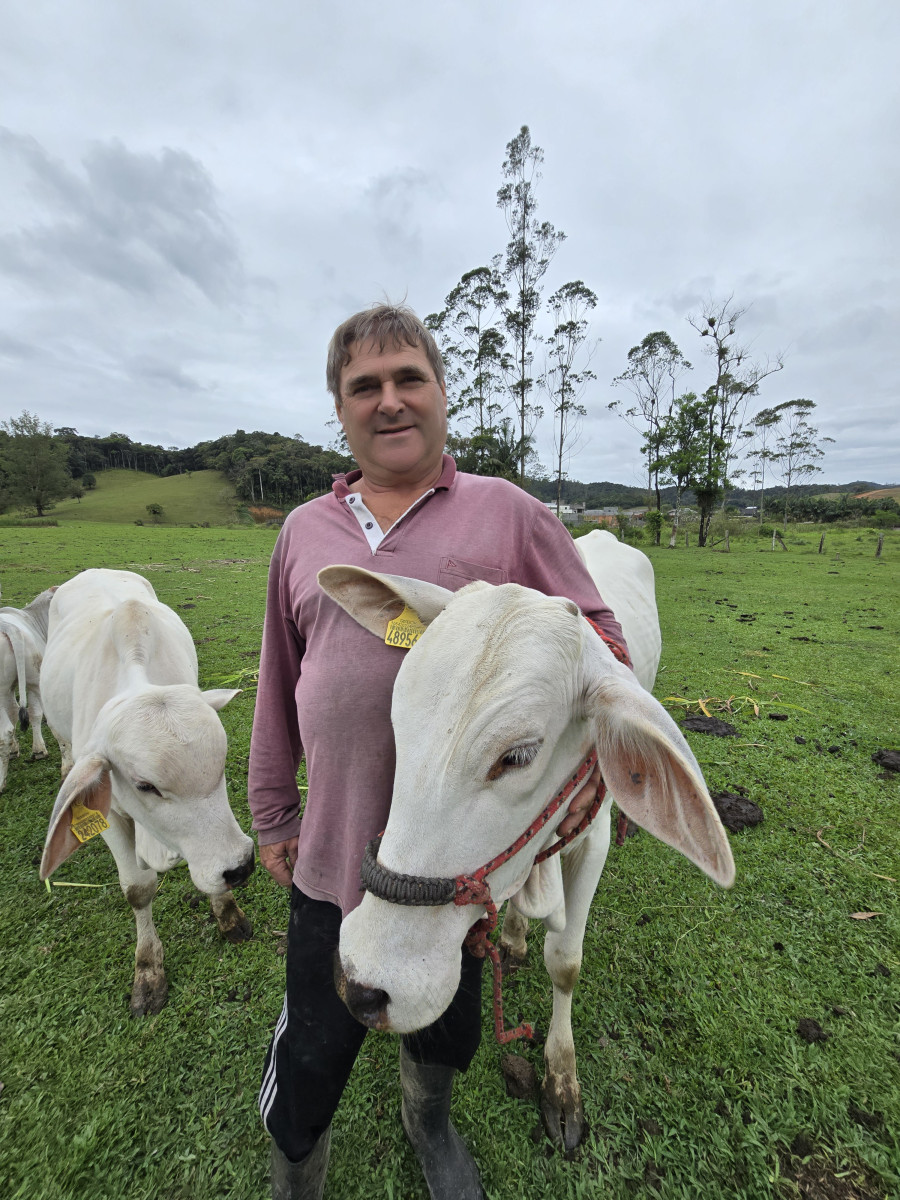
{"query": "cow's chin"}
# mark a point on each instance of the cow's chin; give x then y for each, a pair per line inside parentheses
(411, 955)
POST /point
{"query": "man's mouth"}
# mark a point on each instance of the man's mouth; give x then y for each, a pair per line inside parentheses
(393, 429)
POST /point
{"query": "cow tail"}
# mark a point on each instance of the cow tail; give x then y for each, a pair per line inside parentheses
(17, 642)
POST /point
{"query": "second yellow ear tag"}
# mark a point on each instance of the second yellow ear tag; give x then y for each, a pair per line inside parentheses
(404, 631)
(87, 822)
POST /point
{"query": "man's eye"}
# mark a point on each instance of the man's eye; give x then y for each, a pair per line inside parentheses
(143, 786)
(514, 759)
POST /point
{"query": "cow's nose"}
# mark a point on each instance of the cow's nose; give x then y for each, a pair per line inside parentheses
(240, 875)
(367, 1004)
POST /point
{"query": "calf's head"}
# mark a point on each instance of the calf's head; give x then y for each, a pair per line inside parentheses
(493, 708)
(158, 757)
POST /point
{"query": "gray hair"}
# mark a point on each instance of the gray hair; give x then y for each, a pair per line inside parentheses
(385, 325)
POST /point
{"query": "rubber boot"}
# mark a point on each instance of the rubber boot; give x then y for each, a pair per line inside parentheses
(447, 1165)
(304, 1180)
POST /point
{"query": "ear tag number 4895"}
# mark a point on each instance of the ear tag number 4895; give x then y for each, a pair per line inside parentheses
(404, 631)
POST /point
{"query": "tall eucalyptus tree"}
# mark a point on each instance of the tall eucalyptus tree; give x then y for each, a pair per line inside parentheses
(531, 247)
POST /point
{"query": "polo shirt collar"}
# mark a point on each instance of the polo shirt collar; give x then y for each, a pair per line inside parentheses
(341, 484)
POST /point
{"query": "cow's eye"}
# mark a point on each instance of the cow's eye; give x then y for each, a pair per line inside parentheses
(514, 759)
(143, 786)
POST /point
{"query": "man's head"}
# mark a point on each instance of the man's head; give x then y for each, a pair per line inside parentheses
(386, 325)
(387, 379)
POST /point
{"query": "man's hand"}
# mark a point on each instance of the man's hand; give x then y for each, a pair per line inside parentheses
(279, 857)
(578, 806)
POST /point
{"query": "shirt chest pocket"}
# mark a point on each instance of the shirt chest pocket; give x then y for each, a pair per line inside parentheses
(457, 572)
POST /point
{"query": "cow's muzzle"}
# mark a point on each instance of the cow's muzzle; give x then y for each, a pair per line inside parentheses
(238, 876)
(367, 1004)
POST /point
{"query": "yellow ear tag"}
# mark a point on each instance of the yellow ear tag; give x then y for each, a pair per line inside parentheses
(404, 631)
(87, 822)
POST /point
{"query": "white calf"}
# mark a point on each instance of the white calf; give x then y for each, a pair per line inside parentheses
(506, 692)
(143, 756)
(23, 637)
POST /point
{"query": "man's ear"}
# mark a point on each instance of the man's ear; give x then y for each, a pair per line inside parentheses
(87, 784)
(374, 600)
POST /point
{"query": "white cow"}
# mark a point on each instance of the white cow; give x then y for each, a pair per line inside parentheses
(143, 747)
(494, 708)
(23, 637)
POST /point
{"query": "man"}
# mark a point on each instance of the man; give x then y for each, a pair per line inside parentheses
(325, 691)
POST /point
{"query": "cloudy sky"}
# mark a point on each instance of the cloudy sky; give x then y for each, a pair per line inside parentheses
(195, 194)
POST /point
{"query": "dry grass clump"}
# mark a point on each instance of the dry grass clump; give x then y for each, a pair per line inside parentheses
(262, 513)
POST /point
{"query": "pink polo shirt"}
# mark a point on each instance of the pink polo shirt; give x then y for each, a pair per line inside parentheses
(325, 682)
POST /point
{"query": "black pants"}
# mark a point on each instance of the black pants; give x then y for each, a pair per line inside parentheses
(316, 1040)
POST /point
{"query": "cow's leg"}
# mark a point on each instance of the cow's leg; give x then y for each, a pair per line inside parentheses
(233, 924)
(36, 717)
(561, 1107)
(9, 743)
(513, 946)
(150, 989)
(66, 761)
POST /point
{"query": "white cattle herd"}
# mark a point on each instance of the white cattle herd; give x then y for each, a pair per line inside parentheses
(500, 701)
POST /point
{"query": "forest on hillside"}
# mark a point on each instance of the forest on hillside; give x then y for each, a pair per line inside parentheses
(39, 464)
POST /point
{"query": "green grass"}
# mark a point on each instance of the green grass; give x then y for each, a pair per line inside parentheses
(122, 497)
(695, 1080)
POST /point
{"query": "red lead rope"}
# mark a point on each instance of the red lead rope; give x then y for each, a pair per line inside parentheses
(474, 888)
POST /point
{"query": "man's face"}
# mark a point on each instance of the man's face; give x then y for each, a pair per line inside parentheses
(394, 413)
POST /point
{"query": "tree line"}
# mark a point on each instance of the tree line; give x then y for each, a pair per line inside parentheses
(40, 465)
(705, 443)
(508, 352)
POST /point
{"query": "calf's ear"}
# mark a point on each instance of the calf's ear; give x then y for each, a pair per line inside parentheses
(652, 774)
(88, 784)
(373, 600)
(217, 698)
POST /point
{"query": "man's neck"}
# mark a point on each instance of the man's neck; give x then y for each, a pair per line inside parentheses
(389, 501)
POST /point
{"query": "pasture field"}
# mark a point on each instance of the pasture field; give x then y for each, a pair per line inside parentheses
(122, 496)
(696, 1080)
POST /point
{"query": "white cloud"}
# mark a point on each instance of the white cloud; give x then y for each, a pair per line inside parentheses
(221, 186)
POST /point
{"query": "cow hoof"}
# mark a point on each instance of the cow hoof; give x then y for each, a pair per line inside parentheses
(510, 962)
(564, 1125)
(36, 754)
(238, 931)
(148, 996)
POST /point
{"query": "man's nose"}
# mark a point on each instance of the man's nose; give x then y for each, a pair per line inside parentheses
(391, 401)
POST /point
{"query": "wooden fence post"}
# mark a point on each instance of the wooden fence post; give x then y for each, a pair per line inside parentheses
(822, 544)
(685, 539)
(880, 544)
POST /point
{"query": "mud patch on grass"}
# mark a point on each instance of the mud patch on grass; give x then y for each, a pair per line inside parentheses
(818, 1179)
(736, 812)
(710, 725)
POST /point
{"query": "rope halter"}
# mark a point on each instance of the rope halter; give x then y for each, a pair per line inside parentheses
(462, 890)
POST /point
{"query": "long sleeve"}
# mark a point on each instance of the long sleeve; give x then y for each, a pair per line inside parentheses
(275, 747)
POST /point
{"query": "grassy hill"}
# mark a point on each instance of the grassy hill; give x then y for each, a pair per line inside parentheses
(888, 493)
(123, 496)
